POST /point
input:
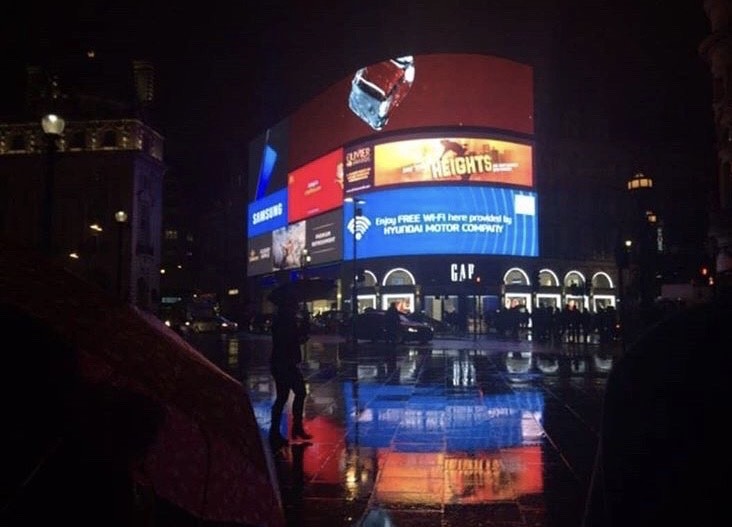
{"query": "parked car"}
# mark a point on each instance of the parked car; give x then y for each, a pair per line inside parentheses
(211, 324)
(371, 326)
(438, 326)
(331, 322)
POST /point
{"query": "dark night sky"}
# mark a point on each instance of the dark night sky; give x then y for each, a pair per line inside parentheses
(227, 72)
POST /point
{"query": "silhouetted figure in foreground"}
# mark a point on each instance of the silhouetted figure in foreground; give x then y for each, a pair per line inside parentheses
(68, 444)
(288, 335)
(662, 443)
(393, 322)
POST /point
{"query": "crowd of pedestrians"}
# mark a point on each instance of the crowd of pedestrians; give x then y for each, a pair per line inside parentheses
(545, 324)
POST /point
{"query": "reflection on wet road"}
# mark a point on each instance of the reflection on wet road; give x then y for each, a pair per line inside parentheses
(459, 432)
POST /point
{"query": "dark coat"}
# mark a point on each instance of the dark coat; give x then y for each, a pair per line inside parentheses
(662, 442)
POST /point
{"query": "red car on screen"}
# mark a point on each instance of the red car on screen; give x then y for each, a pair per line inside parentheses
(377, 89)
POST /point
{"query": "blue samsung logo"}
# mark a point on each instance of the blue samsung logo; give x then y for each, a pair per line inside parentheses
(267, 214)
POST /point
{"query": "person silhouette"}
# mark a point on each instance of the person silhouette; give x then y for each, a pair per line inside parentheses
(288, 335)
(659, 442)
(392, 323)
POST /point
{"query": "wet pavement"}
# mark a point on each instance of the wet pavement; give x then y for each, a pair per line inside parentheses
(460, 432)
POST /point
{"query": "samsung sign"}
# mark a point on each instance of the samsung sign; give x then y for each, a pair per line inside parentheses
(267, 214)
(443, 220)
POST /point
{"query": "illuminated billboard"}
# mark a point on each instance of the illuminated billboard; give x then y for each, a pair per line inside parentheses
(287, 246)
(268, 161)
(316, 187)
(443, 159)
(267, 214)
(284, 248)
(259, 256)
(406, 93)
(443, 220)
(324, 240)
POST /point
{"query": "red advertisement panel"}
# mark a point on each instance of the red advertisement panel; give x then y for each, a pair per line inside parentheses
(459, 159)
(469, 90)
(316, 187)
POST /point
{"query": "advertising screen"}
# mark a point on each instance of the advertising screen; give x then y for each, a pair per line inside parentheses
(284, 248)
(287, 246)
(450, 159)
(268, 161)
(443, 220)
(316, 187)
(267, 214)
(358, 172)
(259, 257)
(439, 159)
(405, 93)
(324, 237)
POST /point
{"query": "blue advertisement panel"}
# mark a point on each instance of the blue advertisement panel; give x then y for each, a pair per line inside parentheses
(442, 220)
(267, 214)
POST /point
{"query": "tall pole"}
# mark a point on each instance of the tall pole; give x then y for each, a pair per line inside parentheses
(48, 191)
(53, 126)
(354, 292)
(121, 218)
(354, 282)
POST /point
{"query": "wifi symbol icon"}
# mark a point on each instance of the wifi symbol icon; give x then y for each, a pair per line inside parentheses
(358, 226)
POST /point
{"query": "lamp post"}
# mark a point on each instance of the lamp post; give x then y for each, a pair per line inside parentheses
(640, 186)
(121, 218)
(622, 259)
(353, 227)
(304, 262)
(53, 127)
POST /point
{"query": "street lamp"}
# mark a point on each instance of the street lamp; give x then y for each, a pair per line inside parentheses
(304, 262)
(53, 127)
(121, 218)
(640, 186)
(357, 234)
(622, 260)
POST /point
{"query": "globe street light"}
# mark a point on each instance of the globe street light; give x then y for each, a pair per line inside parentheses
(121, 218)
(53, 127)
(353, 227)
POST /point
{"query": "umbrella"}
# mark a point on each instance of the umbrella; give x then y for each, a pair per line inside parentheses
(205, 454)
(304, 290)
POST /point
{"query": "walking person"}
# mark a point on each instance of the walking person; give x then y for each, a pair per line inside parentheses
(392, 323)
(288, 335)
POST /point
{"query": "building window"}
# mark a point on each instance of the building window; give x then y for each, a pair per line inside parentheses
(78, 140)
(171, 234)
(109, 139)
(17, 143)
(399, 277)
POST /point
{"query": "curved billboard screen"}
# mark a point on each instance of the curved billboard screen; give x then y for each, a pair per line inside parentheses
(438, 159)
(404, 93)
(443, 220)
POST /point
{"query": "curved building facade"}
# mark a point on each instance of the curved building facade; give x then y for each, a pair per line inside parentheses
(413, 180)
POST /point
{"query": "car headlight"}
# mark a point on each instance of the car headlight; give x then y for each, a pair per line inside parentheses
(412, 330)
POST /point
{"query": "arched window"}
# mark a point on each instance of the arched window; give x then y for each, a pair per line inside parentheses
(602, 280)
(399, 276)
(369, 279)
(516, 276)
(547, 277)
(574, 279)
